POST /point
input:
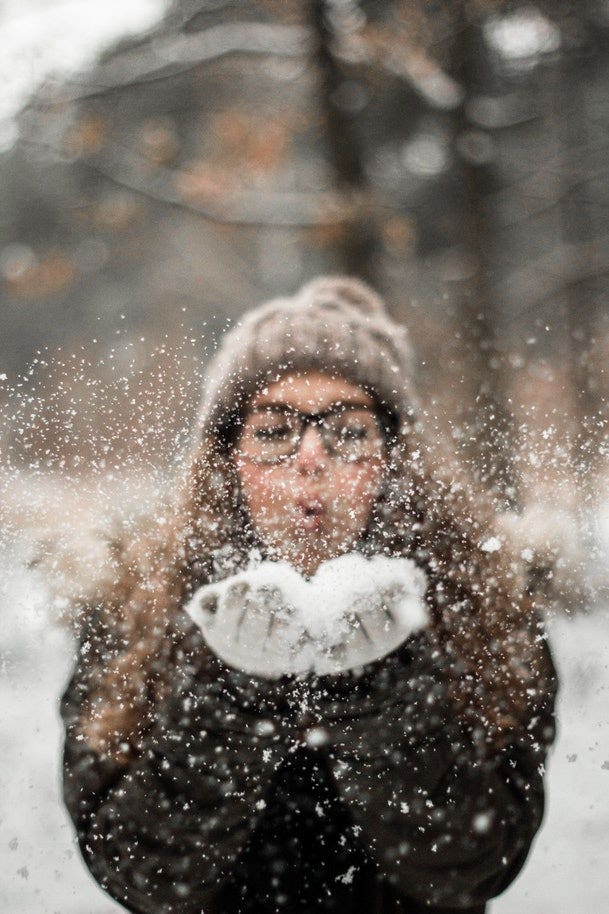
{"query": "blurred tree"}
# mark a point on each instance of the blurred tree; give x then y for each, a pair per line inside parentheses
(450, 152)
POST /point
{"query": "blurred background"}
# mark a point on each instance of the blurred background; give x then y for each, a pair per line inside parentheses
(166, 165)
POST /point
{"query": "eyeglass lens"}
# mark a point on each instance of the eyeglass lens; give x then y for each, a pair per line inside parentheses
(347, 433)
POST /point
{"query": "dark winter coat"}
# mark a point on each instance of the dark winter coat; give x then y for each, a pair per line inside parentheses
(351, 793)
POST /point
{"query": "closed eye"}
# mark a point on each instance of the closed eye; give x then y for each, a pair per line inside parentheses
(273, 433)
(353, 433)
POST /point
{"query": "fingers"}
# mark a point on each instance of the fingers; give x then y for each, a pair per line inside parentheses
(250, 627)
(234, 607)
(208, 604)
(253, 626)
(372, 628)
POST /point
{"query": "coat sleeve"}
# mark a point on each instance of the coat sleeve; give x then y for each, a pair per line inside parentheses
(446, 823)
(161, 834)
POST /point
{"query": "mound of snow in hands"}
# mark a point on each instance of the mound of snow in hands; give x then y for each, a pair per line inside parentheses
(269, 620)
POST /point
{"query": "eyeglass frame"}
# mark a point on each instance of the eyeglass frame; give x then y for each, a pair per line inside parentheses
(316, 419)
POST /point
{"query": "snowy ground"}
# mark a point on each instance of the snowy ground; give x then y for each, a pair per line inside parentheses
(42, 871)
(567, 870)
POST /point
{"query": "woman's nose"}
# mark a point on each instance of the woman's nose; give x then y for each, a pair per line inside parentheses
(311, 456)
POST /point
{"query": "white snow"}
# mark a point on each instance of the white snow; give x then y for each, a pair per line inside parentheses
(347, 878)
(269, 620)
(41, 39)
(341, 585)
(492, 544)
(41, 869)
(566, 871)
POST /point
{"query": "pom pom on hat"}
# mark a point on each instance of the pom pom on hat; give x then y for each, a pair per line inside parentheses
(335, 290)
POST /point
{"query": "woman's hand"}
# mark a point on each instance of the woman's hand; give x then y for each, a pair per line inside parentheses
(251, 628)
(269, 621)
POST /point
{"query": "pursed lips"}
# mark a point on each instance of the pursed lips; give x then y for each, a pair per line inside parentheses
(310, 512)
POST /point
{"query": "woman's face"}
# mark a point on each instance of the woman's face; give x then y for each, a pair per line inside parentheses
(311, 505)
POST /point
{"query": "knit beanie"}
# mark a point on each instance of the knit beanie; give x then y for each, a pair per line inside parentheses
(334, 324)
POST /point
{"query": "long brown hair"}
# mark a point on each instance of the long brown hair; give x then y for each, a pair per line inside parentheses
(481, 614)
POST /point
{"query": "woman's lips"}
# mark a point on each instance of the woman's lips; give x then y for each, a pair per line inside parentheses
(310, 514)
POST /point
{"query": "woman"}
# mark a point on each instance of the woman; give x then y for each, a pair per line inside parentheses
(317, 687)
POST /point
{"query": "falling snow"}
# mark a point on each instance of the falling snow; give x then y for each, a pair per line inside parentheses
(94, 438)
(565, 872)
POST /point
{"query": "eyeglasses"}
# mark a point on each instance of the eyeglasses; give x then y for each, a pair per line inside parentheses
(348, 431)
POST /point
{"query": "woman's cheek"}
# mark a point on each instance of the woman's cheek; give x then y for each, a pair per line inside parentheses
(355, 494)
(361, 483)
(266, 495)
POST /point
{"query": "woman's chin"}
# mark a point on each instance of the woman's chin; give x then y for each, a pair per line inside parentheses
(311, 553)
(310, 524)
